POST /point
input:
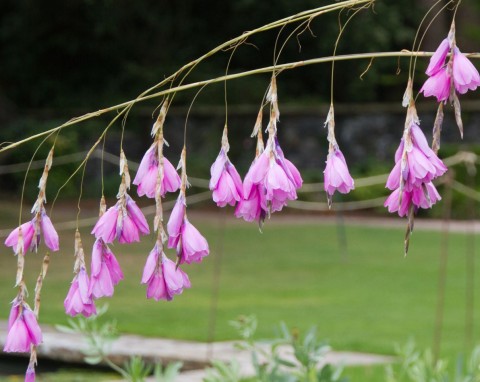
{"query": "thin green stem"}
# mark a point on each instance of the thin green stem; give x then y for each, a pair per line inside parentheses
(416, 35)
(412, 76)
(268, 69)
(188, 113)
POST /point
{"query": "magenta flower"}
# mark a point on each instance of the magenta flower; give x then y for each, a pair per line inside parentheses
(465, 75)
(31, 238)
(23, 332)
(437, 61)
(146, 177)
(105, 270)
(337, 177)
(438, 85)
(421, 197)
(79, 300)
(30, 374)
(163, 278)
(225, 182)
(277, 177)
(174, 225)
(193, 247)
(251, 209)
(126, 223)
(420, 164)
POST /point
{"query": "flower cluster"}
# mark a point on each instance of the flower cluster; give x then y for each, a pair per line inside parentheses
(416, 165)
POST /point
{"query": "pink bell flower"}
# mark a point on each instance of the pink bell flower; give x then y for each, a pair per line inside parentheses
(146, 176)
(175, 222)
(105, 271)
(79, 300)
(438, 85)
(192, 247)
(437, 61)
(23, 332)
(421, 197)
(127, 227)
(50, 235)
(225, 182)
(336, 174)
(251, 209)
(163, 278)
(465, 75)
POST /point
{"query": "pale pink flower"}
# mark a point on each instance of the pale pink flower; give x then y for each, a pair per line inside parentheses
(175, 222)
(424, 196)
(336, 174)
(422, 164)
(105, 271)
(163, 278)
(394, 204)
(275, 176)
(438, 85)
(225, 182)
(146, 177)
(437, 61)
(192, 247)
(79, 300)
(251, 209)
(23, 332)
(14, 312)
(50, 236)
(127, 227)
(465, 75)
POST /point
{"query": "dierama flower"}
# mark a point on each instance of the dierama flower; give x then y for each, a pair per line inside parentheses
(225, 182)
(122, 222)
(190, 244)
(421, 197)
(163, 278)
(465, 75)
(438, 85)
(79, 300)
(437, 61)
(23, 332)
(105, 271)
(31, 231)
(146, 177)
(336, 174)
(251, 209)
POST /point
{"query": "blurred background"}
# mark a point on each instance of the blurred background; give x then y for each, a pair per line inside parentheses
(62, 59)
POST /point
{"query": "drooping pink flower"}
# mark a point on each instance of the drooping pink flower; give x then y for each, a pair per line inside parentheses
(79, 300)
(32, 241)
(336, 174)
(225, 182)
(438, 85)
(251, 209)
(278, 178)
(124, 223)
(163, 278)
(465, 75)
(437, 61)
(416, 164)
(14, 312)
(192, 247)
(424, 197)
(23, 332)
(105, 271)
(175, 222)
(146, 177)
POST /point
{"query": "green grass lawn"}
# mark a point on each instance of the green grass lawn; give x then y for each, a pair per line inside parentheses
(365, 301)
